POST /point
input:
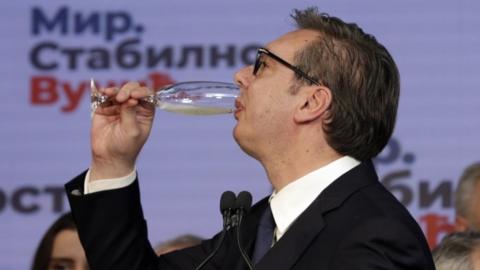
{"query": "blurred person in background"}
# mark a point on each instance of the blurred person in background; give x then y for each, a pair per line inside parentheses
(467, 200)
(458, 251)
(60, 247)
(177, 243)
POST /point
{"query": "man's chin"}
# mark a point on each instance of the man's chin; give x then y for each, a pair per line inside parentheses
(237, 137)
(247, 148)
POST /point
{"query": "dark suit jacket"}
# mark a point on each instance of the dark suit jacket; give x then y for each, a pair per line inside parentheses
(355, 223)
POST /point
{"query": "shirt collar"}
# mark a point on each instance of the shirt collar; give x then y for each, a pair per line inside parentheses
(294, 198)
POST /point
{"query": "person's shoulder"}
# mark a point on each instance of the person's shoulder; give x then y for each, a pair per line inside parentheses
(377, 200)
(257, 209)
(260, 205)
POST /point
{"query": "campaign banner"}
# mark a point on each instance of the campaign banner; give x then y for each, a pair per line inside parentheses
(51, 49)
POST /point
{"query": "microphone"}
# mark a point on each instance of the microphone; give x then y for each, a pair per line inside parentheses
(242, 205)
(227, 203)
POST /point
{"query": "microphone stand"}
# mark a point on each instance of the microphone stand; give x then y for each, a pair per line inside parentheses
(226, 208)
(243, 204)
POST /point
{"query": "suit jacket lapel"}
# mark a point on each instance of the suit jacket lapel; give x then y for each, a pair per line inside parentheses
(298, 237)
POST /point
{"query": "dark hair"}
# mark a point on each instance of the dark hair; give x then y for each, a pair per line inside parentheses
(465, 191)
(455, 251)
(44, 250)
(362, 77)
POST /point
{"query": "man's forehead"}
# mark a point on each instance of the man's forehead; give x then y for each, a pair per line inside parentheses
(288, 44)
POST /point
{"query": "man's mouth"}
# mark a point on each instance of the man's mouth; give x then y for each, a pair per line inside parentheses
(238, 108)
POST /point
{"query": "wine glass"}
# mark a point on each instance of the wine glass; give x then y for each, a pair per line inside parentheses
(191, 97)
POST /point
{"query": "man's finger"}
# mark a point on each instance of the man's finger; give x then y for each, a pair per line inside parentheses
(114, 109)
(141, 92)
(125, 91)
(110, 91)
(128, 119)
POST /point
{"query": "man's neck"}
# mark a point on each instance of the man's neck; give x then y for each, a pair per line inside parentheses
(290, 166)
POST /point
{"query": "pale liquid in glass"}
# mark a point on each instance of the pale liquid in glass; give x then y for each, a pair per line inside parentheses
(192, 109)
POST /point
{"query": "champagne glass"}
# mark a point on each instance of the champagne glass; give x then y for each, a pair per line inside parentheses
(192, 98)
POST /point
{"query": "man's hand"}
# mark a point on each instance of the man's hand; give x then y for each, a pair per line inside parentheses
(119, 131)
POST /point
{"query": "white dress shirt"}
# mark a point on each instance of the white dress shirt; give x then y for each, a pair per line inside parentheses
(294, 198)
(107, 184)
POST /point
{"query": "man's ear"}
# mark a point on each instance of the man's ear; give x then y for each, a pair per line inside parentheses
(315, 104)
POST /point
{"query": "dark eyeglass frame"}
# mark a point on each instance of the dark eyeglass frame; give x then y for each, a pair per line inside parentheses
(295, 69)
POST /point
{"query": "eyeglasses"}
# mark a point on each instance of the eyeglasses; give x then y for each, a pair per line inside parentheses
(297, 70)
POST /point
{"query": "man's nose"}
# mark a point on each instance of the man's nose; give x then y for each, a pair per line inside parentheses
(244, 76)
